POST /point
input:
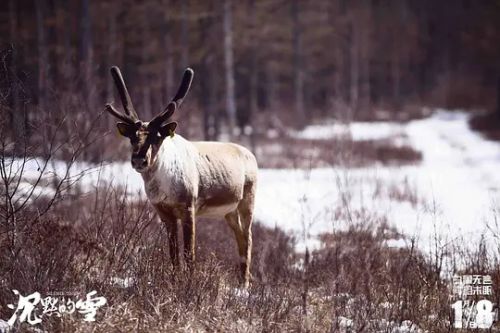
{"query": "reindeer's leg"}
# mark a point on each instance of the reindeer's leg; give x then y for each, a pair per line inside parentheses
(188, 230)
(170, 220)
(233, 220)
(173, 242)
(245, 210)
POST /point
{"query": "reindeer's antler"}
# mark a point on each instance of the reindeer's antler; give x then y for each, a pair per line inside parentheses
(130, 115)
(117, 114)
(187, 78)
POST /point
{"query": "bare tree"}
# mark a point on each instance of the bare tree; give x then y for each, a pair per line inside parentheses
(64, 82)
(185, 33)
(87, 50)
(145, 59)
(298, 62)
(498, 96)
(43, 56)
(229, 64)
(168, 56)
(253, 59)
(112, 46)
(252, 110)
(336, 13)
(365, 57)
(354, 61)
(17, 113)
(208, 95)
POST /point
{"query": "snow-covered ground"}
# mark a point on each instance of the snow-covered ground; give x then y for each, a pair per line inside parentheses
(452, 191)
(356, 130)
(456, 184)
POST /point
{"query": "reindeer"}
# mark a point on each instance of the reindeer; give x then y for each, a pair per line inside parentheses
(184, 179)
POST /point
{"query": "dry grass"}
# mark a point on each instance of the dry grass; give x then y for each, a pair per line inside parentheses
(488, 124)
(287, 152)
(354, 280)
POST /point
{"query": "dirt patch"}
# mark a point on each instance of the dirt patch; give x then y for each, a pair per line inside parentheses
(487, 124)
(304, 153)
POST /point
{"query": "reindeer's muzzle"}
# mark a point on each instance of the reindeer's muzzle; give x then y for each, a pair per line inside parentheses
(139, 163)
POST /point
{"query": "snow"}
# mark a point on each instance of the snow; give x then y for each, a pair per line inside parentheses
(457, 179)
(357, 131)
(4, 326)
(455, 187)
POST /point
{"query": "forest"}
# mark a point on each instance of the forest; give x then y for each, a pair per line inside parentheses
(255, 61)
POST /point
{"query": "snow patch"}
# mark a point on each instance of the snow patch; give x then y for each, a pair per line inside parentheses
(357, 131)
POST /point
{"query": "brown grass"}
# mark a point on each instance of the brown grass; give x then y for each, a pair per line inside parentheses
(90, 241)
(287, 152)
(488, 124)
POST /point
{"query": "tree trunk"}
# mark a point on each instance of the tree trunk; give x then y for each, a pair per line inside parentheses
(66, 74)
(252, 110)
(298, 66)
(17, 113)
(86, 51)
(337, 99)
(365, 59)
(111, 50)
(396, 79)
(354, 65)
(208, 91)
(229, 65)
(209, 98)
(43, 57)
(498, 96)
(185, 33)
(215, 105)
(146, 76)
(271, 91)
(253, 62)
(169, 67)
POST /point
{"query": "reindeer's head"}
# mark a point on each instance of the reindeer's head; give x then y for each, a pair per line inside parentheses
(146, 137)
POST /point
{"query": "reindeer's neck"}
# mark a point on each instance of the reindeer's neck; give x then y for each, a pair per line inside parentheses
(166, 158)
(171, 168)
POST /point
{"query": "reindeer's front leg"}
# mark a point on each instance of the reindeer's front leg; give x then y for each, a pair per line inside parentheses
(169, 218)
(189, 233)
(173, 242)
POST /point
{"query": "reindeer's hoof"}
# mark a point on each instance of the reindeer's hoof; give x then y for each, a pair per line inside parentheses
(241, 292)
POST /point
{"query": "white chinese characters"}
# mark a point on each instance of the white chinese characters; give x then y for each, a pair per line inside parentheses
(27, 306)
(472, 309)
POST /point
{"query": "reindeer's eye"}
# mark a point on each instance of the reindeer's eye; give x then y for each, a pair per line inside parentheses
(154, 138)
(133, 138)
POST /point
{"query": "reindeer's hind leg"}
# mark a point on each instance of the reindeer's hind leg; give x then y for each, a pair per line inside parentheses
(240, 221)
(234, 221)
(245, 210)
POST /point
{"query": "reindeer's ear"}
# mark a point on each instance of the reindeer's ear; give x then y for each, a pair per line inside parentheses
(168, 129)
(125, 129)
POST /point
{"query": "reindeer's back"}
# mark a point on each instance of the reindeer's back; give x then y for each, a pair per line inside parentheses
(225, 170)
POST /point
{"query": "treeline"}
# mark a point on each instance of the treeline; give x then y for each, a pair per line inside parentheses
(305, 59)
